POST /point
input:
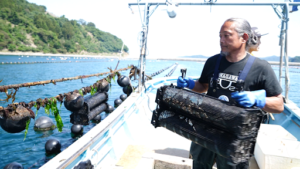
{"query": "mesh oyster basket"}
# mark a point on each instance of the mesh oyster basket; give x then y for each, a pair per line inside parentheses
(242, 122)
(219, 126)
(223, 143)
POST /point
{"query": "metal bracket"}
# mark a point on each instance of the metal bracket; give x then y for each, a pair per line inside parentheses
(153, 10)
(279, 14)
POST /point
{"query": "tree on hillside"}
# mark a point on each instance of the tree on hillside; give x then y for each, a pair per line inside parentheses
(39, 21)
(91, 24)
(22, 23)
(125, 48)
(81, 22)
(4, 39)
(5, 13)
(68, 30)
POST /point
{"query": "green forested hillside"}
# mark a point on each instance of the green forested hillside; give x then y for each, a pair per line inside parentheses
(28, 27)
(295, 59)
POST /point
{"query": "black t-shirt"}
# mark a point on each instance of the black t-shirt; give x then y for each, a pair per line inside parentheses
(260, 76)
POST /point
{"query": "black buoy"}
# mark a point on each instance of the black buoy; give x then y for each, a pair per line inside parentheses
(97, 119)
(127, 90)
(123, 81)
(117, 103)
(13, 165)
(77, 129)
(52, 146)
(123, 97)
(109, 109)
(103, 86)
(73, 101)
(84, 165)
(44, 123)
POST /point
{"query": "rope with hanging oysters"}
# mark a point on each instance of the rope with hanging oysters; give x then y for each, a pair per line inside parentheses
(16, 116)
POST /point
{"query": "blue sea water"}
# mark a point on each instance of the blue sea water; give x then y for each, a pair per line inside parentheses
(30, 152)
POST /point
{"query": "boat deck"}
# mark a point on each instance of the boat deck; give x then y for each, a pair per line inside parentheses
(157, 147)
(127, 139)
(149, 140)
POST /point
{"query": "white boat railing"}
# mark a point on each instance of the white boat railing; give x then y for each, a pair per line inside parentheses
(96, 143)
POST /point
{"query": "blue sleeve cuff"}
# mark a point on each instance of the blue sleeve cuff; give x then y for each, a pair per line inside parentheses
(260, 98)
(191, 83)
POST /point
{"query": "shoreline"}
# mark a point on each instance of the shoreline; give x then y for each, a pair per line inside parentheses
(117, 56)
(104, 55)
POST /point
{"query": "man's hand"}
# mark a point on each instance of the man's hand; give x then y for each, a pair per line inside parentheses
(186, 82)
(248, 99)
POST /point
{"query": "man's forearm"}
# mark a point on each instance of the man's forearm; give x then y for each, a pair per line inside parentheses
(274, 104)
(200, 87)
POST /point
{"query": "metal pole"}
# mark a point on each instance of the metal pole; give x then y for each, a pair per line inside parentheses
(142, 53)
(286, 52)
(281, 43)
(143, 49)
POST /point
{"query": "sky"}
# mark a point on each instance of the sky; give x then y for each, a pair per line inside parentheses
(194, 31)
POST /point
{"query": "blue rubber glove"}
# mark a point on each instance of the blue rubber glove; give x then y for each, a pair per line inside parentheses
(247, 99)
(186, 82)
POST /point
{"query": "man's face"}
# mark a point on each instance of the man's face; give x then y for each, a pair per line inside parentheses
(229, 38)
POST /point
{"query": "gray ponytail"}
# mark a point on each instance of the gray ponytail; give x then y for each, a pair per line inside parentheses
(243, 26)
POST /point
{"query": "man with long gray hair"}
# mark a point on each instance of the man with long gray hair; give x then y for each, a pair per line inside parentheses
(260, 86)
